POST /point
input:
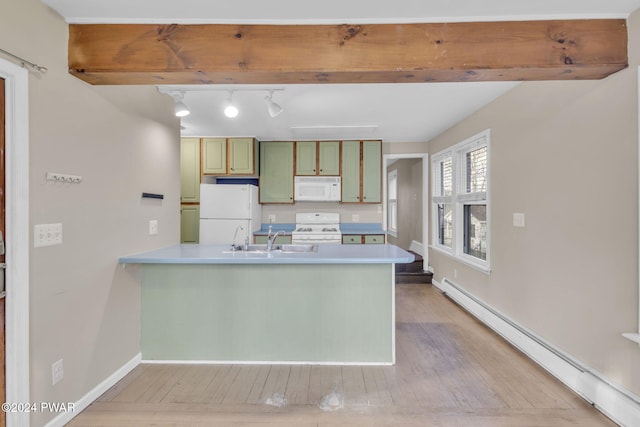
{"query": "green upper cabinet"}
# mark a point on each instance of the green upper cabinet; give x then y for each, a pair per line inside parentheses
(306, 158)
(241, 156)
(228, 156)
(318, 158)
(276, 172)
(371, 171)
(329, 157)
(361, 171)
(190, 170)
(350, 171)
(214, 156)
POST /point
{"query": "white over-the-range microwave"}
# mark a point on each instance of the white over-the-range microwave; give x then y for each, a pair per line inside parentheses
(317, 188)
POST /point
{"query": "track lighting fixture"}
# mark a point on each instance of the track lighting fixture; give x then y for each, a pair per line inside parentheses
(273, 108)
(180, 108)
(230, 110)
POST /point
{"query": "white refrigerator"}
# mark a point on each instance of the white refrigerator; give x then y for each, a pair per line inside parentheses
(225, 208)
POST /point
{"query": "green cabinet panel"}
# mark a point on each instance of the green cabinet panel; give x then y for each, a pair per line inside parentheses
(190, 170)
(329, 157)
(371, 171)
(214, 156)
(361, 171)
(276, 172)
(305, 158)
(351, 239)
(367, 239)
(374, 239)
(350, 171)
(241, 156)
(189, 223)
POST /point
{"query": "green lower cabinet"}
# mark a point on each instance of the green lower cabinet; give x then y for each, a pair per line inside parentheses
(189, 223)
(359, 239)
(374, 239)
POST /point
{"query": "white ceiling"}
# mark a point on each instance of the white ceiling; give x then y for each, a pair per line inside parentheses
(392, 112)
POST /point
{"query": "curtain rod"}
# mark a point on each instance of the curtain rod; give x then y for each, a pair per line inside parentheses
(24, 62)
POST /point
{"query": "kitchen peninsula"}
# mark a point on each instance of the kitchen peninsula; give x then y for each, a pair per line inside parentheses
(333, 304)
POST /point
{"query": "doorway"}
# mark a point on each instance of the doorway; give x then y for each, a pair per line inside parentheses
(16, 177)
(416, 238)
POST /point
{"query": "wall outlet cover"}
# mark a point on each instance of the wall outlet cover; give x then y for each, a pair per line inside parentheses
(153, 227)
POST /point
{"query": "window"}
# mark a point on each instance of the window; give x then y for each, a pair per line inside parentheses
(460, 203)
(392, 202)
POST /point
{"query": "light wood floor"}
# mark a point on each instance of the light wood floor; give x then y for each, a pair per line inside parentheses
(451, 371)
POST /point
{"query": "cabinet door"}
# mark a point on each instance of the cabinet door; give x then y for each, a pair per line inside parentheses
(305, 158)
(371, 171)
(241, 155)
(374, 239)
(351, 239)
(189, 223)
(214, 156)
(329, 159)
(276, 172)
(350, 171)
(190, 170)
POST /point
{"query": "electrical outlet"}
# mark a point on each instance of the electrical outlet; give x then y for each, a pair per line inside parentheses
(47, 235)
(355, 218)
(57, 372)
(153, 227)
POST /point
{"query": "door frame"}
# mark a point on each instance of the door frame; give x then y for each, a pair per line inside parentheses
(425, 196)
(17, 237)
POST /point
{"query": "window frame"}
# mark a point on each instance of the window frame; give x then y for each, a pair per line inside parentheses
(460, 198)
(392, 203)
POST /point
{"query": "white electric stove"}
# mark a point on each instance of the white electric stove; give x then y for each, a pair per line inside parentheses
(317, 228)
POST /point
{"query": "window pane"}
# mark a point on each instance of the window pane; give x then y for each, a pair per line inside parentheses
(446, 177)
(445, 225)
(476, 170)
(475, 231)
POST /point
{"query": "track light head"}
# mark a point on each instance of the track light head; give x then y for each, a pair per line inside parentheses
(180, 109)
(273, 108)
(230, 110)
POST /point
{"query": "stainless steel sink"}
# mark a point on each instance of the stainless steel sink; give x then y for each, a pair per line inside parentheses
(287, 248)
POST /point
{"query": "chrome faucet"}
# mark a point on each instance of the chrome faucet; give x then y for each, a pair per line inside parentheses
(271, 239)
(235, 247)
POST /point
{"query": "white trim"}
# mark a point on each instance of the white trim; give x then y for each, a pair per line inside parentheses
(262, 362)
(417, 247)
(425, 192)
(339, 21)
(620, 405)
(17, 237)
(86, 400)
(635, 336)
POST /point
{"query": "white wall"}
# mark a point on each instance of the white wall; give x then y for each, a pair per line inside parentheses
(564, 154)
(84, 307)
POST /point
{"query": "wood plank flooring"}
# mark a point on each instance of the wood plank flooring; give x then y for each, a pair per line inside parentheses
(451, 371)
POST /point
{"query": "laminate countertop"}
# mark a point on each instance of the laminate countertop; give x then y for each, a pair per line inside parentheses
(221, 254)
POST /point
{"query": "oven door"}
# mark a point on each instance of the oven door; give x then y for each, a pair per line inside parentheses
(303, 239)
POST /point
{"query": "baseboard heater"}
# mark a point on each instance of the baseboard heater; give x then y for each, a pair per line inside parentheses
(619, 404)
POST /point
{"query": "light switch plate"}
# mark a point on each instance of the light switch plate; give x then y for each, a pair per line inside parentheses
(153, 227)
(518, 220)
(47, 235)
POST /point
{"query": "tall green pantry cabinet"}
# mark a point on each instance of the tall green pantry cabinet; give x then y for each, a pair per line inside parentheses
(189, 190)
(276, 172)
(361, 171)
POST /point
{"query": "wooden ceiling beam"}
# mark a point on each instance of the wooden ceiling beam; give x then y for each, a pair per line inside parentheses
(120, 54)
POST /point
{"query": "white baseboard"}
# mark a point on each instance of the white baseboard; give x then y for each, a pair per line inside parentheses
(416, 247)
(97, 391)
(622, 406)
